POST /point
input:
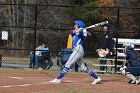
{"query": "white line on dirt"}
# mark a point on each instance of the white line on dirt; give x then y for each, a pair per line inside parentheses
(24, 85)
(41, 79)
(12, 77)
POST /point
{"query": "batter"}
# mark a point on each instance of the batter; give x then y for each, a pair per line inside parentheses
(79, 35)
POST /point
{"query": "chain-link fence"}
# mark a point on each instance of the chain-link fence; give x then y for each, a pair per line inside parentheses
(30, 25)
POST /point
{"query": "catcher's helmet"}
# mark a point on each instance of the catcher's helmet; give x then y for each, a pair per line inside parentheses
(129, 45)
(80, 23)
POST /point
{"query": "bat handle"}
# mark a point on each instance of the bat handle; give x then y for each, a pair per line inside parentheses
(88, 33)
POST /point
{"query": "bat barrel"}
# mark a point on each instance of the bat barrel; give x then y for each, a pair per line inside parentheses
(98, 24)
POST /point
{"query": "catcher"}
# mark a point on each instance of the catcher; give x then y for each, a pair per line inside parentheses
(131, 67)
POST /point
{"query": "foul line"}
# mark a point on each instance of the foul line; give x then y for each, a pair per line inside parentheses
(25, 78)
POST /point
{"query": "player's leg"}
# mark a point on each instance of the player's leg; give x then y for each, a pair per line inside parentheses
(36, 61)
(73, 58)
(89, 71)
(134, 71)
(31, 61)
(127, 72)
(102, 62)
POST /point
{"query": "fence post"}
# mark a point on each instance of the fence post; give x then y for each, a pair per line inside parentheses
(35, 29)
(116, 44)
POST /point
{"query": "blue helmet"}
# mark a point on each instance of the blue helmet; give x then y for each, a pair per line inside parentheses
(80, 23)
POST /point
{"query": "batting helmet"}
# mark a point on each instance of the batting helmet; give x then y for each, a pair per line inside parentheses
(80, 23)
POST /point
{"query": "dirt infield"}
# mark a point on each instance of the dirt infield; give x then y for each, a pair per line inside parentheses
(18, 81)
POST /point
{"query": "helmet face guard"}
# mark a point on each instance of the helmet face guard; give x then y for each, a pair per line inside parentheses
(81, 24)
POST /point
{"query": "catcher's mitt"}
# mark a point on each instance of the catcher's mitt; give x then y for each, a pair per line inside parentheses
(102, 52)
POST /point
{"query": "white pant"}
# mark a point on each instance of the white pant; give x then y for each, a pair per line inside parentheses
(77, 56)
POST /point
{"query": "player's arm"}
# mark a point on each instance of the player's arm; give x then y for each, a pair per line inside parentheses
(82, 34)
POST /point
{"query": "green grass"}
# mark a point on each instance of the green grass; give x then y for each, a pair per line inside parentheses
(25, 61)
(16, 60)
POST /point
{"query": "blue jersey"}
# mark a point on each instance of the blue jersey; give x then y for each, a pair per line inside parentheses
(132, 58)
(133, 65)
(79, 37)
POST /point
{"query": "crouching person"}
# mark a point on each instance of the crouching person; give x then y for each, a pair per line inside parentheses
(131, 67)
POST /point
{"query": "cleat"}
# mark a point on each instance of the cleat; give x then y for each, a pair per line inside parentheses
(96, 80)
(133, 82)
(56, 81)
(130, 81)
(137, 82)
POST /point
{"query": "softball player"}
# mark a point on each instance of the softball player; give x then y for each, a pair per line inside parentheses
(132, 66)
(79, 36)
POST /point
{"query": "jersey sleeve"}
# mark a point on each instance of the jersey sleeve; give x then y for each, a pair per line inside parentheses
(82, 34)
(85, 32)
